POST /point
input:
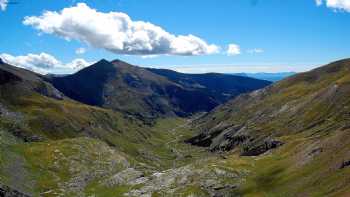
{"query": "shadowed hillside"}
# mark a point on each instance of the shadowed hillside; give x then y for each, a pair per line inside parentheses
(150, 93)
(222, 87)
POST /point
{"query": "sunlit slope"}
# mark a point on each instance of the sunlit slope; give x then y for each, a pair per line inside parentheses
(297, 130)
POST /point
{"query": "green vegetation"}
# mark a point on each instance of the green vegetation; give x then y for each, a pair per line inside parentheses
(309, 113)
(52, 146)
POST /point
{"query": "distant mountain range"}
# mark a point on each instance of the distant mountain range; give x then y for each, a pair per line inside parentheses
(273, 77)
(150, 93)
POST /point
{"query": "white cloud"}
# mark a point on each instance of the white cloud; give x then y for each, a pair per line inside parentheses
(319, 2)
(3, 4)
(256, 50)
(148, 56)
(117, 32)
(233, 49)
(43, 63)
(336, 4)
(77, 64)
(80, 51)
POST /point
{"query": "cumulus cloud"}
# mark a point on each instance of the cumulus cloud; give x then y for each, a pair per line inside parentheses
(233, 49)
(336, 4)
(77, 64)
(80, 51)
(256, 50)
(3, 4)
(117, 32)
(43, 63)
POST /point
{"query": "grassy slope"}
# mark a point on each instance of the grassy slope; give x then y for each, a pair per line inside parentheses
(62, 126)
(292, 170)
(50, 168)
(309, 112)
(308, 164)
(50, 146)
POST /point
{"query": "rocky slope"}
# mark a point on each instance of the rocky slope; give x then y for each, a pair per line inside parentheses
(311, 101)
(53, 146)
(298, 129)
(289, 139)
(151, 93)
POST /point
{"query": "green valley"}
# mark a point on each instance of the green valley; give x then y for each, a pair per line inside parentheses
(287, 139)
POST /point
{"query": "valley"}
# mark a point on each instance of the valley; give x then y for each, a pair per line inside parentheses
(287, 139)
(130, 98)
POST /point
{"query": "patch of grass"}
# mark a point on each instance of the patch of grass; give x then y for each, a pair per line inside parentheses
(53, 164)
(191, 190)
(291, 171)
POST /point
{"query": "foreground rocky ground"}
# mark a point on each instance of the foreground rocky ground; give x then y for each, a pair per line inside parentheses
(89, 167)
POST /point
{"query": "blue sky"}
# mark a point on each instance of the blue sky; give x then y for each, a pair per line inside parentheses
(272, 35)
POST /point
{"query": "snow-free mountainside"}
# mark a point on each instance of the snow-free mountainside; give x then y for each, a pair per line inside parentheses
(114, 129)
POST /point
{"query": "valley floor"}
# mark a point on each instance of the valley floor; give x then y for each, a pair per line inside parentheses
(168, 167)
(86, 166)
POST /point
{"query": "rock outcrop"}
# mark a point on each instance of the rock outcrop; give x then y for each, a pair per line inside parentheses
(6, 191)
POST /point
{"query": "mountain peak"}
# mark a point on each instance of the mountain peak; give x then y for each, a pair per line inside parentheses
(101, 66)
(148, 93)
(1, 62)
(104, 61)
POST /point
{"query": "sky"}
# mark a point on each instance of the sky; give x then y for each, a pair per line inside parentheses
(192, 36)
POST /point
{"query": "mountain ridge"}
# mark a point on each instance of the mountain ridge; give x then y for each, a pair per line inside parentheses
(290, 138)
(220, 86)
(322, 81)
(274, 77)
(146, 93)
(297, 131)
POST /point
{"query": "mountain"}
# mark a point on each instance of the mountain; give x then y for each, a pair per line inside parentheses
(298, 129)
(150, 93)
(222, 87)
(274, 77)
(52, 145)
(34, 110)
(289, 139)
